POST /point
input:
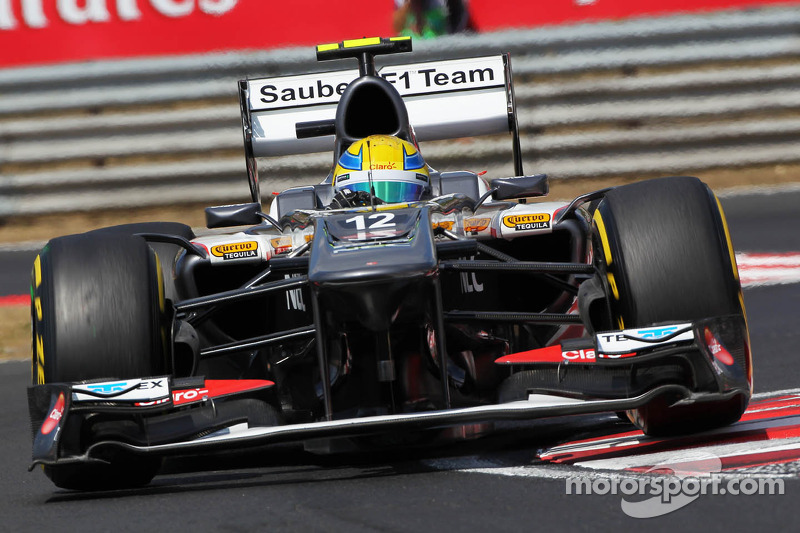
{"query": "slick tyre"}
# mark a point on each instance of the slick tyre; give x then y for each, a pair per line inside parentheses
(98, 313)
(664, 248)
(165, 252)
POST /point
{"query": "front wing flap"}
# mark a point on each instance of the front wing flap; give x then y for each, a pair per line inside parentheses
(709, 355)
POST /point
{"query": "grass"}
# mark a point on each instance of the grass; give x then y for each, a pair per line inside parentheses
(15, 332)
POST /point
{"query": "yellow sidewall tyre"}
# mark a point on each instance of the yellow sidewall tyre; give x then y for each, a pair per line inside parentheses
(664, 249)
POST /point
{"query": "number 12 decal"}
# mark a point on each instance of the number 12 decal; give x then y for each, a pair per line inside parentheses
(381, 225)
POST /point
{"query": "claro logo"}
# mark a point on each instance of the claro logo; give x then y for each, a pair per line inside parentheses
(31, 13)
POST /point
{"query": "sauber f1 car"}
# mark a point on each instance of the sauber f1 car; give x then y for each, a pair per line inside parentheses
(391, 302)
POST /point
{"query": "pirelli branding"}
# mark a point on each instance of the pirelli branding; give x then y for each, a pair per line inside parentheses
(527, 222)
(238, 250)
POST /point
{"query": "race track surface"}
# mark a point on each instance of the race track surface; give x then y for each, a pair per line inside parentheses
(496, 483)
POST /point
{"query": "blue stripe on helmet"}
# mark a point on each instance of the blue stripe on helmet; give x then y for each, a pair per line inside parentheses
(350, 161)
(412, 161)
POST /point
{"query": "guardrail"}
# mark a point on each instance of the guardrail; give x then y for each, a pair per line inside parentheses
(662, 95)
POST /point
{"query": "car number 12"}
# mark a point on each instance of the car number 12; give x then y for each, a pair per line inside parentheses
(378, 224)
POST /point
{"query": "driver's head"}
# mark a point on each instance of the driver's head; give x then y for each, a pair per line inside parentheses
(399, 174)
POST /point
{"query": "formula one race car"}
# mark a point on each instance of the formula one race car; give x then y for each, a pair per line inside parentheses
(390, 303)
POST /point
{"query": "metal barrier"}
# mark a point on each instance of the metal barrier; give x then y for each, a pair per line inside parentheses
(658, 95)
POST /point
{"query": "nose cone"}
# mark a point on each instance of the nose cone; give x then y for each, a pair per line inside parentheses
(371, 264)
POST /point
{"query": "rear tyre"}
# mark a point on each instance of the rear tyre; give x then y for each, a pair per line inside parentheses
(665, 249)
(98, 313)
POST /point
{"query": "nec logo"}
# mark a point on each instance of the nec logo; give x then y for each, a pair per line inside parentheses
(656, 333)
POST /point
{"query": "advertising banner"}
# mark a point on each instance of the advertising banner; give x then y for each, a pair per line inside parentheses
(53, 31)
(505, 14)
(36, 32)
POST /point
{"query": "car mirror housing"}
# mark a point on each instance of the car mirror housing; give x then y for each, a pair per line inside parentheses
(224, 216)
(520, 187)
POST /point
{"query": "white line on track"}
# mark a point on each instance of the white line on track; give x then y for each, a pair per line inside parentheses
(613, 468)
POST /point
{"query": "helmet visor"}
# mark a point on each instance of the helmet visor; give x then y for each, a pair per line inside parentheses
(391, 186)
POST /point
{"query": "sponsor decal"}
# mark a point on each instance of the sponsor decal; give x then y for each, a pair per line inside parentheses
(237, 250)
(147, 390)
(475, 225)
(452, 75)
(281, 245)
(38, 359)
(555, 354)
(294, 297)
(108, 388)
(444, 224)
(717, 349)
(47, 31)
(469, 281)
(180, 397)
(656, 333)
(314, 90)
(591, 355)
(414, 79)
(580, 355)
(34, 15)
(630, 340)
(155, 402)
(55, 415)
(527, 222)
(213, 389)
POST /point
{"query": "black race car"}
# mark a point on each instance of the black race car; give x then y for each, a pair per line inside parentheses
(389, 303)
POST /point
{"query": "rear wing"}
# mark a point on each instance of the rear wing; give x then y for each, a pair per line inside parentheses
(445, 100)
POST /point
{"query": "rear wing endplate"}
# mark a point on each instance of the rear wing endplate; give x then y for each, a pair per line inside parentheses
(445, 100)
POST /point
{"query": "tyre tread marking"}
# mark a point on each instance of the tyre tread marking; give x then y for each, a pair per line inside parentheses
(601, 228)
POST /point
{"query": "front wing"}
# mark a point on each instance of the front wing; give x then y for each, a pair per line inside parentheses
(164, 416)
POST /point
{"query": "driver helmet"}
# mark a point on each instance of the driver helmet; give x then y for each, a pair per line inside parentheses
(399, 174)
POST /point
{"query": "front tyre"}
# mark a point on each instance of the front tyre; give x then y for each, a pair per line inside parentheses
(98, 313)
(165, 252)
(664, 247)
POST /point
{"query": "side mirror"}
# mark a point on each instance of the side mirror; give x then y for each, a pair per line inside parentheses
(520, 187)
(224, 216)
